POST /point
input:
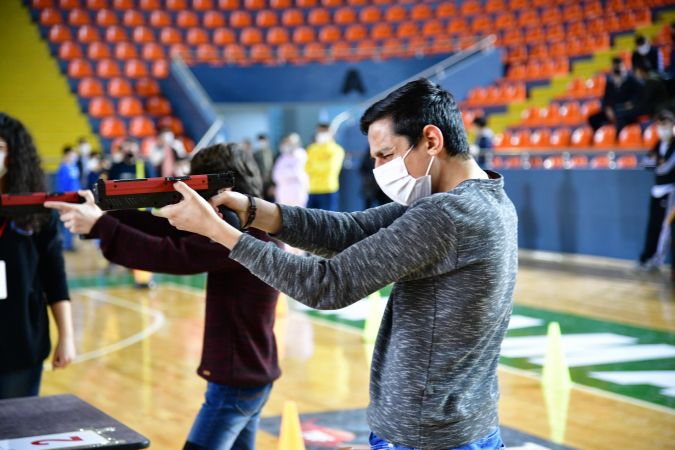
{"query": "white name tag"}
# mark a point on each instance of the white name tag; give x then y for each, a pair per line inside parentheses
(3, 281)
(75, 439)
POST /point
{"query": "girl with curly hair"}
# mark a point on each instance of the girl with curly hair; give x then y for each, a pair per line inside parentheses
(32, 273)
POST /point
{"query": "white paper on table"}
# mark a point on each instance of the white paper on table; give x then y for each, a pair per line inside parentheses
(73, 439)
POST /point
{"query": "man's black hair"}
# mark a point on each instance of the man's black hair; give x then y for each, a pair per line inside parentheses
(417, 104)
(665, 116)
(67, 149)
(640, 40)
(323, 125)
(480, 121)
(616, 60)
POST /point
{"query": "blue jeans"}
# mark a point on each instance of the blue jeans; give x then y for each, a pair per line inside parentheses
(329, 202)
(493, 441)
(229, 418)
(21, 383)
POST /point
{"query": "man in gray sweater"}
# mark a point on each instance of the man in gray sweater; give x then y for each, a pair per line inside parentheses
(448, 244)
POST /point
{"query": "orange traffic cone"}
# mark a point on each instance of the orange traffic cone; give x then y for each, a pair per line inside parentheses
(290, 437)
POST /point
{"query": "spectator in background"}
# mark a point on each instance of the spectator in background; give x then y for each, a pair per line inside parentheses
(289, 176)
(483, 146)
(165, 152)
(95, 167)
(654, 96)
(83, 152)
(663, 155)
(324, 163)
(671, 69)
(619, 102)
(68, 180)
(646, 55)
(262, 153)
(372, 194)
(130, 164)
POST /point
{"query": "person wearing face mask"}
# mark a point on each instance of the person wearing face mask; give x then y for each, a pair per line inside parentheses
(622, 95)
(662, 200)
(32, 274)
(449, 245)
(166, 152)
(324, 164)
(289, 176)
(83, 152)
(128, 164)
(68, 180)
(646, 54)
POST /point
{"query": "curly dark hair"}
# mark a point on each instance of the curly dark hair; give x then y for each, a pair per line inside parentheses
(225, 157)
(24, 169)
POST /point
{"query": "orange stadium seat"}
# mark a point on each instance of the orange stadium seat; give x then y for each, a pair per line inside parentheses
(141, 127)
(123, 5)
(70, 50)
(95, 5)
(224, 36)
(106, 18)
(79, 68)
(76, 17)
(528, 17)
(149, 5)
(88, 34)
(315, 51)
(541, 138)
(303, 35)
(266, 19)
(578, 162)
(42, 4)
(281, 4)
(101, 107)
(135, 68)
(196, 36)
(107, 68)
(554, 162)
(582, 137)
(512, 37)
(630, 136)
(229, 5)
(572, 12)
(494, 6)
(69, 4)
(432, 28)
(570, 113)
(187, 19)
(169, 35)
(234, 53)
(202, 5)
(356, 32)
(240, 19)
(129, 107)
(112, 127)
(173, 123)
(516, 5)
(331, 3)
(650, 137)
(160, 68)
(305, 3)
(555, 33)
(396, 13)
(262, 53)
(206, 53)
(446, 10)
(318, 17)
(254, 4)
(357, 2)
(470, 7)
(505, 21)
(482, 24)
(560, 137)
(330, 33)
(124, 51)
(407, 30)
(132, 18)
(288, 52)
(550, 15)
(370, 14)
(213, 19)
(627, 162)
(143, 35)
(341, 50)
(277, 36)
(89, 88)
(345, 16)
(441, 44)
(520, 138)
(421, 12)
(152, 51)
(381, 31)
(600, 162)
(391, 48)
(605, 136)
(116, 34)
(251, 36)
(457, 26)
(176, 5)
(119, 87)
(590, 107)
(292, 18)
(146, 87)
(181, 51)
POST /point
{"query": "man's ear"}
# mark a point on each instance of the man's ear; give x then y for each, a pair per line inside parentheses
(434, 139)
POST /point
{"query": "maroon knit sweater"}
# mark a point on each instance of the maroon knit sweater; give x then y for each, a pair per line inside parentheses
(239, 347)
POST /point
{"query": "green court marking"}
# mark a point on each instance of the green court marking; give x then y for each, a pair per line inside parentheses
(570, 324)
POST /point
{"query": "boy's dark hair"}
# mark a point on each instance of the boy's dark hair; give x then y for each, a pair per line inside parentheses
(24, 168)
(67, 149)
(323, 126)
(224, 157)
(616, 60)
(640, 40)
(480, 121)
(417, 104)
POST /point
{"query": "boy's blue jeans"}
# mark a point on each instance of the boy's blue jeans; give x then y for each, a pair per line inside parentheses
(229, 418)
(493, 441)
(21, 383)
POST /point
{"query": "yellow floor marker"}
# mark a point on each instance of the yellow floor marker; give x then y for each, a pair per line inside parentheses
(290, 437)
(556, 384)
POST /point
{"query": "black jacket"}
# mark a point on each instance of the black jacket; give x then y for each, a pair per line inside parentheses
(666, 178)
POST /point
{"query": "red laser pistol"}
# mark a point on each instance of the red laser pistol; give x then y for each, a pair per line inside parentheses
(158, 192)
(17, 205)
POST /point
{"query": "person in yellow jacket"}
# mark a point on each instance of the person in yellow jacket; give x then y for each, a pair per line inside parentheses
(324, 163)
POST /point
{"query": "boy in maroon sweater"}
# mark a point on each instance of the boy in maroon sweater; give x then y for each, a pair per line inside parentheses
(239, 356)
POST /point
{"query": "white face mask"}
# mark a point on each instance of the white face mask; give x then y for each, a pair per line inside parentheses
(85, 149)
(643, 49)
(322, 137)
(3, 169)
(665, 133)
(395, 181)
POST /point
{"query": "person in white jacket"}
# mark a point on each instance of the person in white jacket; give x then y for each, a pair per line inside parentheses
(289, 176)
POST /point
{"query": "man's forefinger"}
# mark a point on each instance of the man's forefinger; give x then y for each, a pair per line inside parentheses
(60, 206)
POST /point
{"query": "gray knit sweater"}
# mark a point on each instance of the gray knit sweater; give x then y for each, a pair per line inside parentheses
(452, 258)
